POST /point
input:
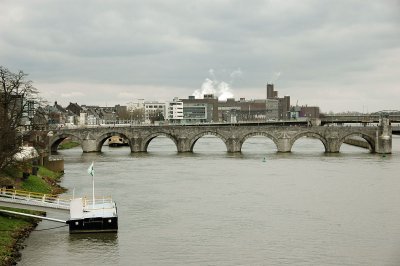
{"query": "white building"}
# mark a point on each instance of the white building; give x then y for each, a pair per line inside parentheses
(174, 111)
(82, 119)
(152, 109)
(170, 111)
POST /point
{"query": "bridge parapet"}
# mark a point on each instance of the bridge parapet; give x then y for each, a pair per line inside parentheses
(365, 118)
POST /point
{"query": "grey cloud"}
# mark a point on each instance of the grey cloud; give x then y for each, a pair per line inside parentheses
(314, 44)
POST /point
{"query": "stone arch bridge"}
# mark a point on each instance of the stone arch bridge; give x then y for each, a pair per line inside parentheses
(233, 135)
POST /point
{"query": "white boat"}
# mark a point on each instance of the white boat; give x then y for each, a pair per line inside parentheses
(116, 141)
(86, 217)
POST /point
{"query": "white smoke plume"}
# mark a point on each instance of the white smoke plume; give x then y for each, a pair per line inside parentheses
(276, 76)
(221, 89)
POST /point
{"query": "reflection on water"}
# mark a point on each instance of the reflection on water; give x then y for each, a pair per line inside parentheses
(102, 247)
(215, 208)
(103, 238)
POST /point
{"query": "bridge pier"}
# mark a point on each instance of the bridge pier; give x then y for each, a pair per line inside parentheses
(333, 146)
(183, 144)
(136, 145)
(233, 145)
(332, 141)
(383, 137)
(89, 145)
(284, 144)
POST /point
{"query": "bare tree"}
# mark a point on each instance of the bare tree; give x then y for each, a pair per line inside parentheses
(16, 108)
(137, 115)
(156, 116)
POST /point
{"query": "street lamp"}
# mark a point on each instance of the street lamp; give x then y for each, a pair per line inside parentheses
(131, 111)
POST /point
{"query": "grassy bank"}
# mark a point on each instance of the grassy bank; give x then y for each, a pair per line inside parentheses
(13, 228)
(67, 144)
(45, 181)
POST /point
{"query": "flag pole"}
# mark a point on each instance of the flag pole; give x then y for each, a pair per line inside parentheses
(91, 172)
(93, 188)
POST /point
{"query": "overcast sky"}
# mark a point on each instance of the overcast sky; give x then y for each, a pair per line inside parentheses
(340, 55)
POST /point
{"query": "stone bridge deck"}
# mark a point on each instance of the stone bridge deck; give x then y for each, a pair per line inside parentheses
(233, 135)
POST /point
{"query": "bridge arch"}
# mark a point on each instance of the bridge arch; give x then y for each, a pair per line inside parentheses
(370, 140)
(58, 138)
(194, 139)
(100, 140)
(264, 134)
(149, 138)
(309, 134)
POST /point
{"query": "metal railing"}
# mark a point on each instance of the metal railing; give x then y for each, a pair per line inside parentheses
(88, 203)
(33, 198)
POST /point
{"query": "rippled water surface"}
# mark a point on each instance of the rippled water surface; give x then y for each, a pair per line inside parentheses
(215, 208)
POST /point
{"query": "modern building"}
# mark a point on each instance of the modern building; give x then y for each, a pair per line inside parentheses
(209, 109)
(174, 111)
(295, 112)
(209, 101)
(196, 113)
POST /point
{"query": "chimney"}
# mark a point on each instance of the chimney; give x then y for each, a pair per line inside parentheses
(271, 94)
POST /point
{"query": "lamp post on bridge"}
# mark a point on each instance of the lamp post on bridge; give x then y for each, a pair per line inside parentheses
(131, 111)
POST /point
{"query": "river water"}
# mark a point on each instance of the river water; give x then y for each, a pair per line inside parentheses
(214, 208)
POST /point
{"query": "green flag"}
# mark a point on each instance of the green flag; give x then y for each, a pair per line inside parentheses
(90, 170)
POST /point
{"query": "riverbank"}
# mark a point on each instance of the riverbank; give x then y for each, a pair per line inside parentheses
(67, 144)
(14, 229)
